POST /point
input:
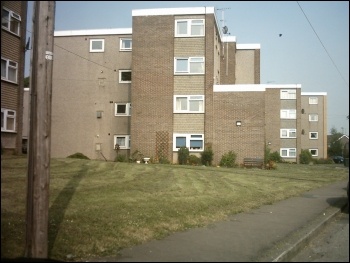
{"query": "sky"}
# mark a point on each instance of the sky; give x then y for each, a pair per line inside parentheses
(313, 49)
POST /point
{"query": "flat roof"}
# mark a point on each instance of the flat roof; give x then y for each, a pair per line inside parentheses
(253, 87)
(173, 11)
(248, 46)
(313, 93)
(94, 32)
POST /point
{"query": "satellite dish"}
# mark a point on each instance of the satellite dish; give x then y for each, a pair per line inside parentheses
(225, 29)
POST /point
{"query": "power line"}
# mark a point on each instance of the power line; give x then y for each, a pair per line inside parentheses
(323, 45)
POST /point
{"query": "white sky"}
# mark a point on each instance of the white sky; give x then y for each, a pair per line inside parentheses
(313, 50)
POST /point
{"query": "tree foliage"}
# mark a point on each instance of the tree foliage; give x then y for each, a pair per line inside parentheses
(335, 146)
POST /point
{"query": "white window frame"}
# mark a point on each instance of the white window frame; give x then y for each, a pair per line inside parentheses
(314, 152)
(127, 109)
(189, 100)
(121, 71)
(311, 135)
(7, 114)
(126, 139)
(189, 137)
(290, 152)
(289, 94)
(288, 133)
(8, 65)
(11, 16)
(288, 114)
(190, 23)
(313, 117)
(190, 61)
(313, 100)
(122, 44)
(97, 40)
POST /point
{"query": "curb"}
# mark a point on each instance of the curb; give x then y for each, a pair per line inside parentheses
(296, 241)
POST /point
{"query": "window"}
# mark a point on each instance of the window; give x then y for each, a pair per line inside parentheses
(189, 104)
(288, 94)
(288, 152)
(123, 141)
(191, 65)
(313, 117)
(122, 109)
(125, 44)
(189, 28)
(8, 120)
(314, 152)
(313, 100)
(125, 76)
(313, 135)
(9, 70)
(97, 45)
(288, 114)
(195, 142)
(10, 21)
(288, 133)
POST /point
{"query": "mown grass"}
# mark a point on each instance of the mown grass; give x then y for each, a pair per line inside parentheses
(97, 208)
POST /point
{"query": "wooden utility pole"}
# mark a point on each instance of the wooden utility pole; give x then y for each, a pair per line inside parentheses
(40, 130)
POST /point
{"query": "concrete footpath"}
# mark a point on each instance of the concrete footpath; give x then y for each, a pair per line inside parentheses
(270, 233)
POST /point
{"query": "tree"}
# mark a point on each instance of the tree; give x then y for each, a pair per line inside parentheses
(26, 82)
(335, 146)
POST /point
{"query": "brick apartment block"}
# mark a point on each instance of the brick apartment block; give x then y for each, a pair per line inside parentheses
(174, 79)
(13, 42)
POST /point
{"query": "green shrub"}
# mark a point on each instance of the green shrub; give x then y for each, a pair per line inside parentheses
(276, 157)
(207, 156)
(194, 160)
(78, 156)
(164, 160)
(183, 155)
(323, 161)
(228, 159)
(121, 158)
(305, 157)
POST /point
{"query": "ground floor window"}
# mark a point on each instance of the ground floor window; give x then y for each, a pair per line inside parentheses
(288, 152)
(194, 142)
(314, 152)
(8, 120)
(123, 141)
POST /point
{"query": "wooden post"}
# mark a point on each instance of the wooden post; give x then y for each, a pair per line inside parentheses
(40, 130)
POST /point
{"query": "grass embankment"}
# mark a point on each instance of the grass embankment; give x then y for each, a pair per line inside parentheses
(98, 208)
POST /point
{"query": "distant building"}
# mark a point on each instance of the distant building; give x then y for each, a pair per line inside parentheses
(175, 79)
(13, 40)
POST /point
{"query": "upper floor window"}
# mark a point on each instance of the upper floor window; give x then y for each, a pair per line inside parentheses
(313, 100)
(288, 152)
(313, 135)
(189, 104)
(10, 21)
(8, 120)
(313, 117)
(189, 27)
(290, 94)
(125, 76)
(288, 114)
(123, 141)
(122, 109)
(97, 45)
(195, 142)
(191, 65)
(288, 133)
(9, 70)
(125, 44)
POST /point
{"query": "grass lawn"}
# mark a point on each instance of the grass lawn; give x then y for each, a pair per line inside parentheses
(97, 208)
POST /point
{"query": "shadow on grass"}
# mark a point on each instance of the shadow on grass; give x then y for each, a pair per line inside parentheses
(58, 208)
